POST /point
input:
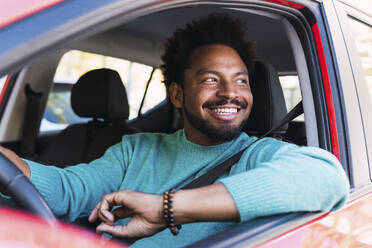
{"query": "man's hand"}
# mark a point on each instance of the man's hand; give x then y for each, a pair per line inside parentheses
(15, 159)
(214, 204)
(144, 209)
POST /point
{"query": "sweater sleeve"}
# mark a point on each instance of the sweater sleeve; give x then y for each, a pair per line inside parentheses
(284, 178)
(74, 191)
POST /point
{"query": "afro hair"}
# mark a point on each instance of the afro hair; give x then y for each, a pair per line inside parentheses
(216, 28)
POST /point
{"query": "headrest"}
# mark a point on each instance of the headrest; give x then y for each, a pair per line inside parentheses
(268, 100)
(100, 94)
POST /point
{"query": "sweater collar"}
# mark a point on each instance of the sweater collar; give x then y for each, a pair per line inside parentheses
(190, 146)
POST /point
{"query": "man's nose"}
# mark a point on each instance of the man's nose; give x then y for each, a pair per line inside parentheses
(227, 90)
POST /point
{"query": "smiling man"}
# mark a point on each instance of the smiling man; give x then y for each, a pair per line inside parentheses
(206, 66)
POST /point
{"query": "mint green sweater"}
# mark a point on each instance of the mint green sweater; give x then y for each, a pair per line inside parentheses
(271, 177)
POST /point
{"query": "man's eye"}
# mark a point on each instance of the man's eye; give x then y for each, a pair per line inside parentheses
(210, 80)
(242, 81)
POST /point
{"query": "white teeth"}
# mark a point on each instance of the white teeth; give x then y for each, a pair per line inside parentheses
(225, 111)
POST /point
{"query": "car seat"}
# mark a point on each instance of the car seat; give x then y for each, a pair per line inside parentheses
(268, 101)
(100, 95)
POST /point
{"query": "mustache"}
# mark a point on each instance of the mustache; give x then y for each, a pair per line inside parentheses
(221, 102)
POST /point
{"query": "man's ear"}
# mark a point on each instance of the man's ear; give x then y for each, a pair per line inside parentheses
(176, 95)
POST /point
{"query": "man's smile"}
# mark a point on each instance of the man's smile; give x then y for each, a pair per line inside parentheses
(224, 112)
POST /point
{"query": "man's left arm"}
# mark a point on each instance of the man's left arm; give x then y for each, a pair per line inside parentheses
(288, 178)
(292, 179)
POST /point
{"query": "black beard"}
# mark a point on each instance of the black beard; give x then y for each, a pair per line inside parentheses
(225, 133)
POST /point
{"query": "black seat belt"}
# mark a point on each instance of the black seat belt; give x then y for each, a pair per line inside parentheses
(146, 89)
(212, 175)
(30, 122)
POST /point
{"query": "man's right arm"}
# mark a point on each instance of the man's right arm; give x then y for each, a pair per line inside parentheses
(15, 159)
(74, 191)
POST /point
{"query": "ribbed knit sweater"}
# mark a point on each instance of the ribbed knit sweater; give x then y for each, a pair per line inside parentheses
(272, 177)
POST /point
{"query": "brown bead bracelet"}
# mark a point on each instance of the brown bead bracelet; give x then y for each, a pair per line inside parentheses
(168, 211)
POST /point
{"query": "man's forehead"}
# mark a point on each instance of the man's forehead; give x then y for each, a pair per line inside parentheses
(210, 71)
(206, 57)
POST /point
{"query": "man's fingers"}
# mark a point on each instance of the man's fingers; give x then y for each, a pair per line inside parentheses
(106, 216)
(122, 212)
(15, 159)
(118, 231)
(102, 209)
(94, 214)
(100, 212)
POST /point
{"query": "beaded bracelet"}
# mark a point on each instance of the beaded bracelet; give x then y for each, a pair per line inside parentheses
(168, 211)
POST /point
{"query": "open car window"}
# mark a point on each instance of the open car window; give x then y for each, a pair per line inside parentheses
(133, 47)
(59, 114)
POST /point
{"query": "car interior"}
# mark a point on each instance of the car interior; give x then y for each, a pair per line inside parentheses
(99, 97)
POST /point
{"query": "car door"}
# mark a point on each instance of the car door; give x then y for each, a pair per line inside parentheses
(321, 61)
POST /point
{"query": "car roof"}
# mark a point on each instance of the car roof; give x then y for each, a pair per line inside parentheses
(139, 39)
(13, 11)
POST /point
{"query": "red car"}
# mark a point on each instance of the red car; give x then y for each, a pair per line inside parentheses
(322, 55)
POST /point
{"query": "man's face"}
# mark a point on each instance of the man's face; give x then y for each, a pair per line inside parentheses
(216, 98)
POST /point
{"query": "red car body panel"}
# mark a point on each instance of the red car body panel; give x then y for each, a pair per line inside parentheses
(327, 92)
(20, 229)
(287, 3)
(349, 227)
(12, 11)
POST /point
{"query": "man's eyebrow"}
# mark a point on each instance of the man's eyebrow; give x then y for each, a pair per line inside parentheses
(242, 73)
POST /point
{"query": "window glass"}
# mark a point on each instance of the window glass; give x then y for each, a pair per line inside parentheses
(363, 5)
(292, 92)
(58, 113)
(363, 38)
(2, 82)
(2, 89)
(75, 63)
(155, 93)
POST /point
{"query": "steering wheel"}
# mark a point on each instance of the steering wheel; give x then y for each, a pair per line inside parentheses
(21, 190)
